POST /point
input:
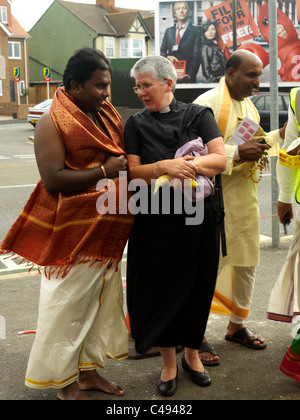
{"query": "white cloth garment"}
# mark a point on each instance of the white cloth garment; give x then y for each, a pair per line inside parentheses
(284, 301)
(81, 322)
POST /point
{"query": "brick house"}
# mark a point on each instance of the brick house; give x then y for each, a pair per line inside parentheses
(13, 53)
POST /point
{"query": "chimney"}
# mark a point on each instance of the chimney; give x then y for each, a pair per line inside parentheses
(108, 4)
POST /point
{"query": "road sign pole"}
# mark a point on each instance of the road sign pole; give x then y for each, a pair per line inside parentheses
(234, 7)
(274, 114)
(18, 90)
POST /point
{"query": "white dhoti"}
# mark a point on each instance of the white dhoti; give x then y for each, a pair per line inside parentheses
(284, 301)
(81, 322)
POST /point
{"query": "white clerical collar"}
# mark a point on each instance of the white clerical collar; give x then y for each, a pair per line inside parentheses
(165, 110)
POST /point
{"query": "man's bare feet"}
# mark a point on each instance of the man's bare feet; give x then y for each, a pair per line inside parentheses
(92, 381)
(72, 393)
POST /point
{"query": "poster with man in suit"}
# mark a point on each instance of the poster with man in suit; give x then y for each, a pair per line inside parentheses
(181, 44)
(197, 36)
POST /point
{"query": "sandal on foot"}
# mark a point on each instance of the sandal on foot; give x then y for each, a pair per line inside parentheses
(246, 338)
(207, 348)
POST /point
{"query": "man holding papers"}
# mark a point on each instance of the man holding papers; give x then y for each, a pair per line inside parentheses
(231, 104)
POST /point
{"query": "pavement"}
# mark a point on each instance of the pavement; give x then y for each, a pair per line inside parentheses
(5, 118)
(243, 374)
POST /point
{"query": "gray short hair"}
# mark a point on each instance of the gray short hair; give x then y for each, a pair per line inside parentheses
(160, 68)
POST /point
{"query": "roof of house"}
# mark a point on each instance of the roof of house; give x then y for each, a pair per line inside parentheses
(16, 29)
(122, 22)
(92, 16)
(149, 22)
(103, 21)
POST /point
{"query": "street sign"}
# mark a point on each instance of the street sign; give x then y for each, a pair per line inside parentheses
(47, 74)
(17, 74)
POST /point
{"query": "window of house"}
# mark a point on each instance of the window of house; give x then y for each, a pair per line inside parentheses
(3, 14)
(110, 47)
(1, 93)
(132, 48)
(124, 44)
(137, 48)
(14, 50)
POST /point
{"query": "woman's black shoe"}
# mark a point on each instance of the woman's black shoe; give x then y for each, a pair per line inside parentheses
(199, 378)
(167, 389)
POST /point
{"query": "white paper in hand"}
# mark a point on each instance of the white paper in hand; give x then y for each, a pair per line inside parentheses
(244, 132)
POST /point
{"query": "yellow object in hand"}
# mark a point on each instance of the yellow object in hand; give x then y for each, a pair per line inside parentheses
(164, 179)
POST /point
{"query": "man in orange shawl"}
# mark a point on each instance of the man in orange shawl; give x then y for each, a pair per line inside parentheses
(62, 229)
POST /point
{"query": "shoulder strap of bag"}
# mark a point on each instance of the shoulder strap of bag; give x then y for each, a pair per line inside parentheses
(191, 113)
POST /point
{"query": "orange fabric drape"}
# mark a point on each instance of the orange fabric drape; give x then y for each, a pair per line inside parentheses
(57, 230)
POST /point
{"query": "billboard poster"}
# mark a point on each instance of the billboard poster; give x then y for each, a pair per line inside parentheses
(197, 36)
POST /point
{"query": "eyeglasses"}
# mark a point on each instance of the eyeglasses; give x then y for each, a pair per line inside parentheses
(142, 88)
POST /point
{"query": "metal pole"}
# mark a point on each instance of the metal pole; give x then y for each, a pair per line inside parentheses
(18, 91)
(274, 113)
(234, 7)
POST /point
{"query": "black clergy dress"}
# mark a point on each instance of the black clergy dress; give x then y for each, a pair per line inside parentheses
(171, 266)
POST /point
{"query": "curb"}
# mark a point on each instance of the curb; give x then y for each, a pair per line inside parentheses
(267, 240)
(12, 121)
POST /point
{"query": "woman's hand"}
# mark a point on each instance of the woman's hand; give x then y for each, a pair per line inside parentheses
(181, 168)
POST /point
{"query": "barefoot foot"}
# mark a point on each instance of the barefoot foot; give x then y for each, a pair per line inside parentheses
(72, 393)
(92, 381)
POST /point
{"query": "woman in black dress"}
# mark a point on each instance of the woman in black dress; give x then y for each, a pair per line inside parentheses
(171, 263)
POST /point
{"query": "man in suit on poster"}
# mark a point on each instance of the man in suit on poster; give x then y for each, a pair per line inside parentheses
(181, 42)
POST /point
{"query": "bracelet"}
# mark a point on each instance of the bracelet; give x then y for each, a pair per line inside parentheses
(194, 163)
(103, 170)
(155, 171)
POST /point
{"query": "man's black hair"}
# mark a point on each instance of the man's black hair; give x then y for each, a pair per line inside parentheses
(82, 64)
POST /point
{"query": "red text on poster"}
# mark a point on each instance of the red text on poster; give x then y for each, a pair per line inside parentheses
(180, 67)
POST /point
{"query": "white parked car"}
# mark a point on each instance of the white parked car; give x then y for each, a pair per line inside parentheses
(37, 111)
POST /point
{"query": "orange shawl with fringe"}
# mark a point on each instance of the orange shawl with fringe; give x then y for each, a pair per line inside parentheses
(58, 230)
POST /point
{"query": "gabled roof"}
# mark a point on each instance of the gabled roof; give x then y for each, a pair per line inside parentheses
(13, 28)
(122, 22)
(16, 29)
(91, 15)
(143, 13)
(105, 22)
(149, 22)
